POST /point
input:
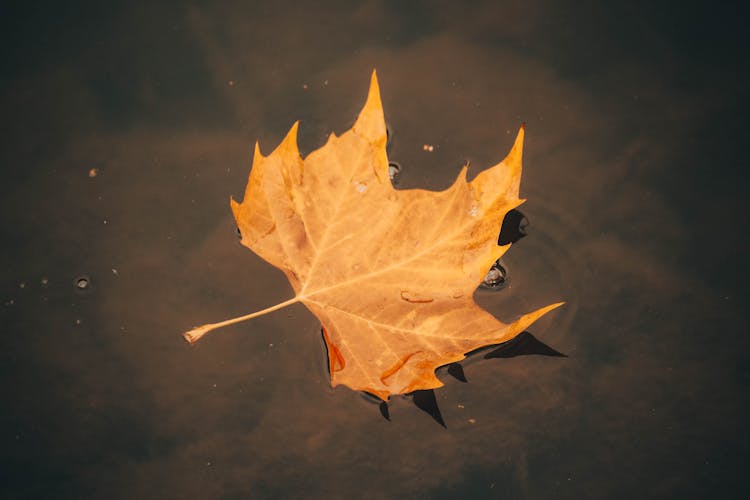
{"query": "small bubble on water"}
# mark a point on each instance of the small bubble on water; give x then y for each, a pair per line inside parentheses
(495, 278)
(82, 282)
(394, 169)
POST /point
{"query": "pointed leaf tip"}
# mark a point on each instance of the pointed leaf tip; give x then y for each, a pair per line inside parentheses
(373, 95)
(461, 177)
(518, 144)
(289, 143)
(514, 159)
(257, 155)
(371, 122)
(374, 86)
(292, 134)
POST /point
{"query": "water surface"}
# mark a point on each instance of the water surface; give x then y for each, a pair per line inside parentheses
(633, 173)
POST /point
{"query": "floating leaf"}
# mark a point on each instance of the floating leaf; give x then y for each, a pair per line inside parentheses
(389, 273)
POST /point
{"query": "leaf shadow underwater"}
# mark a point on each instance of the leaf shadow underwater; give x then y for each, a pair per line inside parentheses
(425, 400)
(524, 344)
(515, 226)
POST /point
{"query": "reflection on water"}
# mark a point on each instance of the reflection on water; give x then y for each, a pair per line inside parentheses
(162, 104)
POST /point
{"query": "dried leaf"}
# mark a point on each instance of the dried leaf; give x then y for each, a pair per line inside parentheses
(389, 273)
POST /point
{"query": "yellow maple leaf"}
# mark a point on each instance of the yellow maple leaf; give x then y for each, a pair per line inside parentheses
(389, 273)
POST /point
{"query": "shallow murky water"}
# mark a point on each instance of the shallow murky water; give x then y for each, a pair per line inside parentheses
(126, 130)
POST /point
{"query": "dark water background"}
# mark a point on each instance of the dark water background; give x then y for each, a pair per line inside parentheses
(635, 175)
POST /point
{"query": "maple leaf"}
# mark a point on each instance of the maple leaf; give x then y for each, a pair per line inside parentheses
(389, 273)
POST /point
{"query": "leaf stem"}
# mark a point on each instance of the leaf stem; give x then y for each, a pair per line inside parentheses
(196, 333)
